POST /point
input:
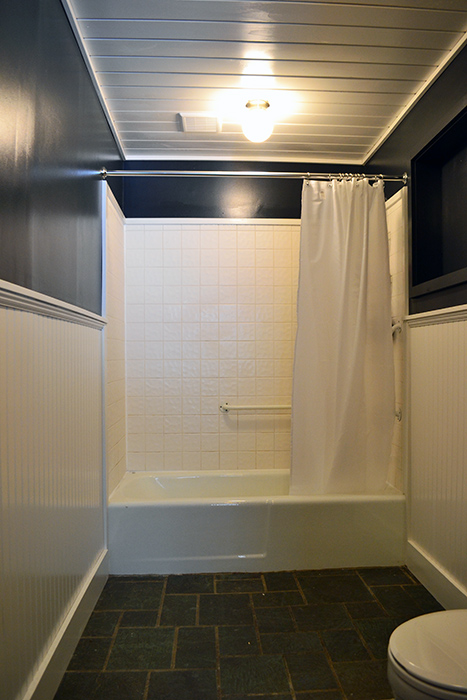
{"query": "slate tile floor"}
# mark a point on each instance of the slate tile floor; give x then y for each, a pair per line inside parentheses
(303, 635)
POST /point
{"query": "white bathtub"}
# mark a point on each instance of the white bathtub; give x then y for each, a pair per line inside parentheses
(195, 522)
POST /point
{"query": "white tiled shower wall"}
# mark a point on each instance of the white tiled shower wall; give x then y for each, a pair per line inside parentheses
(210, 317)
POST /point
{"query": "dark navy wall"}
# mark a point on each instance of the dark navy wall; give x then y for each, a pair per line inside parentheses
(440, 105)
(53, 139)
(224, 197)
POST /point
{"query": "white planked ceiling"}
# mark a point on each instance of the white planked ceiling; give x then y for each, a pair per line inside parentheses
(338, 74)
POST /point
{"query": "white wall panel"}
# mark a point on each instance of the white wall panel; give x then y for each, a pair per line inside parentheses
(438, 478)
(396, 211)
(51, 483)
(115, 409)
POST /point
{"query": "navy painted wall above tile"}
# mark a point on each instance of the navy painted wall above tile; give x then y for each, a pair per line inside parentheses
(54, 138)
(441, 105)
(226, 197)
(445, 99)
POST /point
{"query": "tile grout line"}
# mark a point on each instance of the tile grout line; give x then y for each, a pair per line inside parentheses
(323, 645)
(331, 664)
(174, 650)
(113, 639)
(300, 589)
(360, 635)
(146, 687)
(198, 606)
(289, 677)
(354, 625)
(218, 663)
(367, 585)
(161, 602)
(255, 624)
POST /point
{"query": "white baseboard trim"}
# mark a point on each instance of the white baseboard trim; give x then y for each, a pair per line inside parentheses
(444, 587)
(50, 672)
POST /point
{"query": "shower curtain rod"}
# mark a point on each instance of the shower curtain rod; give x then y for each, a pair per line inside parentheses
(249, 173)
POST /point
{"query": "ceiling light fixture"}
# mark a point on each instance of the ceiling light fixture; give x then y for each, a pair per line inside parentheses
(257, 123)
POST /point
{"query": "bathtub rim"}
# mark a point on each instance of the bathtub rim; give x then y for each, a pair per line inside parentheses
(390, 492)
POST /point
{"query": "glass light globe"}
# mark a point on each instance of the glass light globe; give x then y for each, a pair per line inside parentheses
(257, 124)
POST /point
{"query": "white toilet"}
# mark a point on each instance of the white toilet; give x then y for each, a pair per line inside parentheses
(427, 657)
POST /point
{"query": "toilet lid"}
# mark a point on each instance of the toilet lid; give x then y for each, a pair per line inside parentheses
(433, 648)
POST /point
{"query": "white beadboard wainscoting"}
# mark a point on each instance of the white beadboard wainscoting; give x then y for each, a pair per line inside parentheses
(53, 554)
(438, 453)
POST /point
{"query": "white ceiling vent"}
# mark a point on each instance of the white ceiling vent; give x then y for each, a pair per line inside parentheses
(199, 122)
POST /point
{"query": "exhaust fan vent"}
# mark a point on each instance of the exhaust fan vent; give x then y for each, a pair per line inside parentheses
(199, 122)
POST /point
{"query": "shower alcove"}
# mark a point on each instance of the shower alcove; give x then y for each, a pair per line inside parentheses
(210, 317)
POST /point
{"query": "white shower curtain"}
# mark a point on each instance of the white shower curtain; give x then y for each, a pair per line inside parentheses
(343, 385)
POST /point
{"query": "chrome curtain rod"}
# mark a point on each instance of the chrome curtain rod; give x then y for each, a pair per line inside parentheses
(249, 173)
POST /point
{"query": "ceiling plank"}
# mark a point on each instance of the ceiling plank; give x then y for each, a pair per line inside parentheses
(122, 46)
(341, 116)
(170, 85)
(199, 67)
(296, 127)
(209, 98)
(284, 12)
(402, 36)
(317, 107)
